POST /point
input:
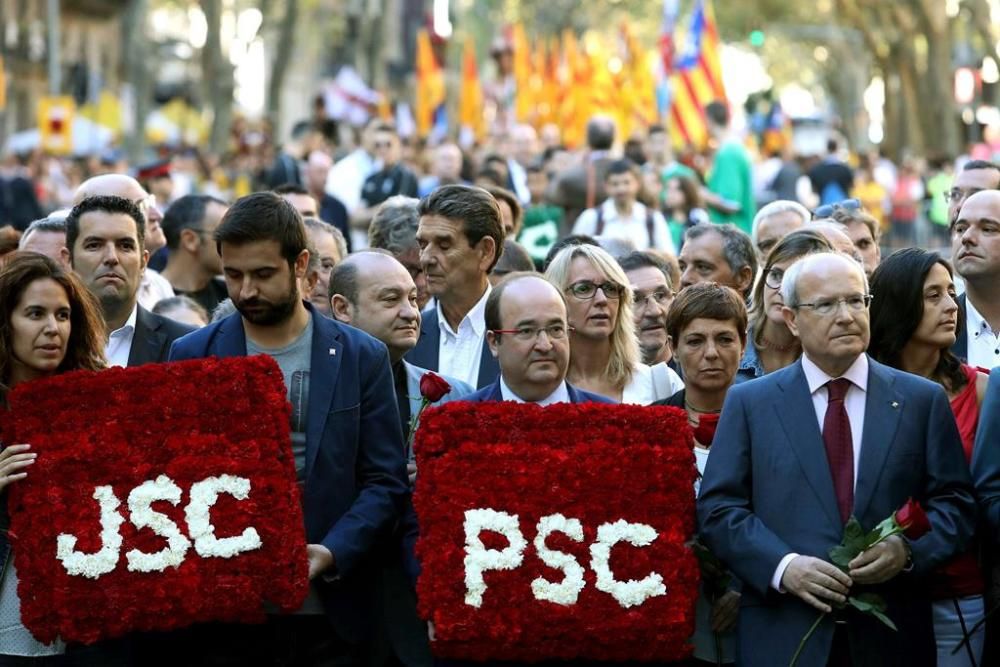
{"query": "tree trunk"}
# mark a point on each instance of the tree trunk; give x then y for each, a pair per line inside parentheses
(282, 58)
(135, 74)
(218, 78)
(905, 65)
(940, 117)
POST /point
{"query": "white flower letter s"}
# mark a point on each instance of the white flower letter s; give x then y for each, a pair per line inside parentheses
(94, 565)
(139, 501)
(628, 593)
(568, 590)
(200, 528)
(478, 558)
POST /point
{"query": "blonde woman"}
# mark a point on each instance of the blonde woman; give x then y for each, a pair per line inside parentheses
(604, 351)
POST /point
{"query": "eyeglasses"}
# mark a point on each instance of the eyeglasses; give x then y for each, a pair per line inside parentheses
(826, 210)
(586, 289)
(773, 278)
(825, 307)
(661, 296)
(383, 144)
(526, 334)
(958, 194)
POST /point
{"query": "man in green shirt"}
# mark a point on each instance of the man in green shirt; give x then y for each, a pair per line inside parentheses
(731, 177)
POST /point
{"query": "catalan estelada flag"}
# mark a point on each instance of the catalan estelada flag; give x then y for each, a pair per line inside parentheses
(696, 79)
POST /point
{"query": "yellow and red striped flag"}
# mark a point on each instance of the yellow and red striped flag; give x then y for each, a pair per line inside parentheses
(470, 105)
(697, 79)
(430, 94)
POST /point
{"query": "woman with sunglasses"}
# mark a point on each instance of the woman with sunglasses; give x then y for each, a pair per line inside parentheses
(604, 350)
(770, 344)
(51, 325)
(914, 322)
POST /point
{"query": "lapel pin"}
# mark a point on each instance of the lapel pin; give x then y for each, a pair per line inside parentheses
(333, 351)
(895, 404)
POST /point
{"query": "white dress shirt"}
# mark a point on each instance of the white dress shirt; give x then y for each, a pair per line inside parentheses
(984, 343)
(519, 178)
(631, 228)
(120, 341)
(459, 352)
(560, 395)
(854, 403)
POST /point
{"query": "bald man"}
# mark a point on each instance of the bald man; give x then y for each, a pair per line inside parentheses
(837, 235)
(133, 328)
(975, 253)
(154, 287)
(329, 209)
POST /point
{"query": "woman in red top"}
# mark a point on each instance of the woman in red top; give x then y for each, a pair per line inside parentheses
(914, 322)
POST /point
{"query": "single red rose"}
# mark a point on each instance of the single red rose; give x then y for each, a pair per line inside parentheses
(433, 387)
(913, 519)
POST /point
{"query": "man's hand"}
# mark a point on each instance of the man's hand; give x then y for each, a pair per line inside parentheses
(880, 563)
(816, 582)
(724, 612)
(320, 559)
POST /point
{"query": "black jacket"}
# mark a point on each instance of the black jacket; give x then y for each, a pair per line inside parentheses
(152, 337)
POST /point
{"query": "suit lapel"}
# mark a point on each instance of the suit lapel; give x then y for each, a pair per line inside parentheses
(495, 393)
(147, 340)
(327, 351)
(231, 339)
(426, 353)
(883, 406)
(797, 416)
(489, 369)
(961, 347)
(413, 387)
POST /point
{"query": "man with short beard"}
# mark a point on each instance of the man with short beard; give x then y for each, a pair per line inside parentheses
(343, 411)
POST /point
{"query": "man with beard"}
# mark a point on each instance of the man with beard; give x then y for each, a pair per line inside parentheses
(343, 411)
(105, 237)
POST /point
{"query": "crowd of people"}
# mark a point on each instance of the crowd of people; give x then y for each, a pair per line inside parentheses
(821, 380)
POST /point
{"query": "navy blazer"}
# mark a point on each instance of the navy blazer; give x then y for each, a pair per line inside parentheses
(986, 458)
(492, 393)
(768, 456)
(961, 347)
(426, 353)
(355, 475)
(153, 336)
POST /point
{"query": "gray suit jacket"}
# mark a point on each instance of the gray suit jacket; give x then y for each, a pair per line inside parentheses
(459, 389)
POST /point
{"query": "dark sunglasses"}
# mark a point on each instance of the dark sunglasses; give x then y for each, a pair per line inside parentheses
(826, 210)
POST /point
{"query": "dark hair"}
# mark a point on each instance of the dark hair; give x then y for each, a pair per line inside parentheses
(55, 225)
(290, 189)
(710, 301)
(108, 204)
(491, 313)
(972, 165)
(85, 348)
(655, 128)
(897, 308)
(565, 242)
(474, 207)
(10, 238)
(492, 175)
(643, 259)
(691, 191)
(737, 248)
(344, 281)
(792, 246)
(505, 195)
(263, 216)
(163, 306)
(301, 129)
(717, 113)
(383, 126)
(515, 258)
(600, 134)
(188, 212)
(832, 145)
(623, 166)
(394, 227)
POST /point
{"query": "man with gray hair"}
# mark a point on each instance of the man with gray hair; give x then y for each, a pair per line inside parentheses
(845, 439)
(394, 228)
(718, 253)
(773, 222)
(47, 237)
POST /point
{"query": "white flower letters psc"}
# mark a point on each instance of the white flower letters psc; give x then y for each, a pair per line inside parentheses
(479, 559)
(140, 500)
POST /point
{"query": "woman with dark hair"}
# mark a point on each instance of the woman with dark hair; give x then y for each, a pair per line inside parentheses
(771, 345)
(706, 329)
(51, 324)
(683, 206)
(914, 322)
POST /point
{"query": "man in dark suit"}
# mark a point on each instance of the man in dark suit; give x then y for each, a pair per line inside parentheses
(461, 238)
(582, 186)
(105, 237)
(529, 336)
(986, 476)
(346, 441)
(834, 435)
(975, 248)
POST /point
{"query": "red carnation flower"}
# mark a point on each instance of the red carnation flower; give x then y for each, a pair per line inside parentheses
(433, 387)
(913, 519)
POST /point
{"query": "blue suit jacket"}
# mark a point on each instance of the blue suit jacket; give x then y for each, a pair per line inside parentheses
(355, 476)
(986, 458)
(492, 393)
(767, 492)
(961, 347)
(426, 353)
